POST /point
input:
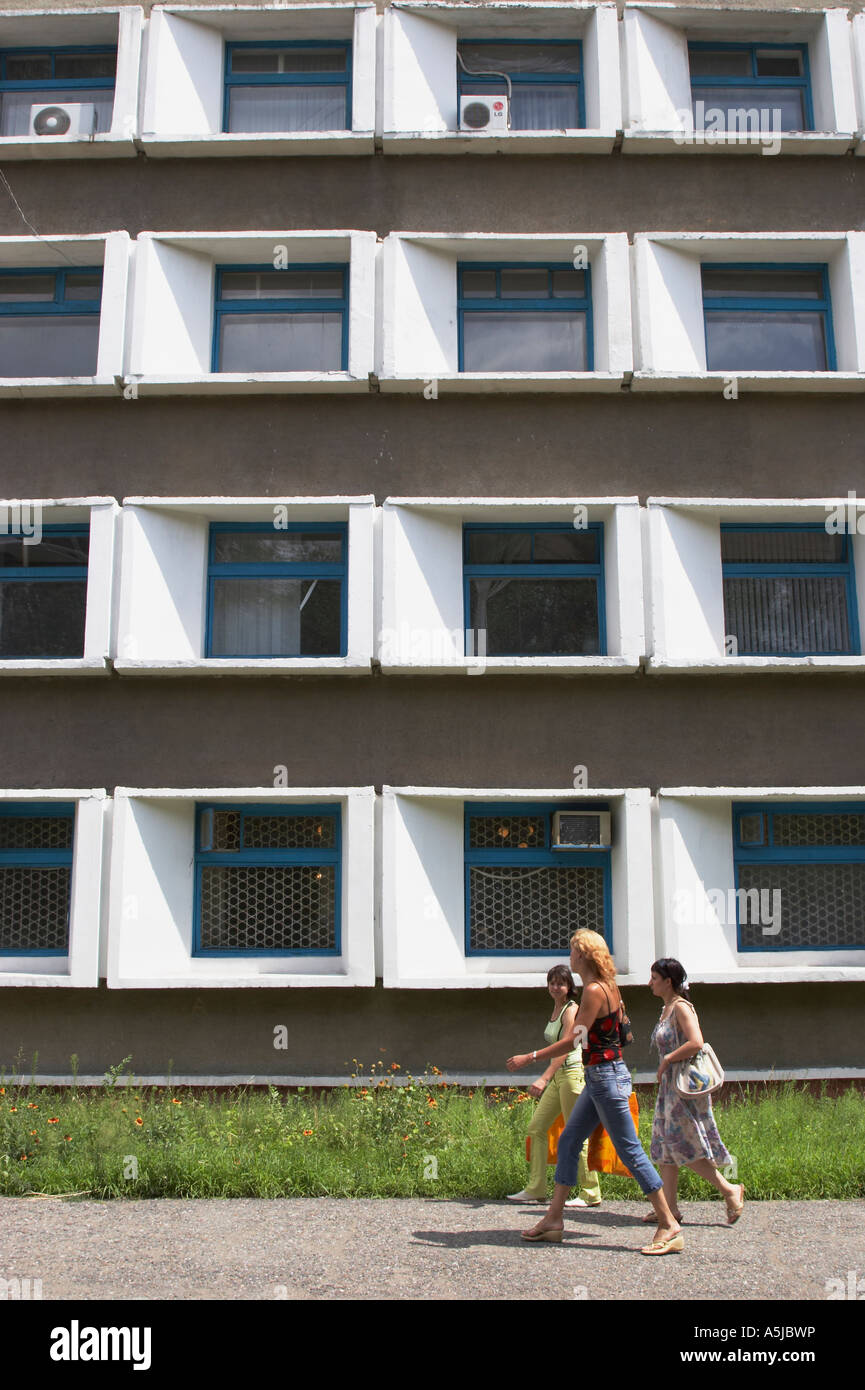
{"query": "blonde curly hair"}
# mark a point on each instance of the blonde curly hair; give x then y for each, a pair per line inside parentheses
(593, 946)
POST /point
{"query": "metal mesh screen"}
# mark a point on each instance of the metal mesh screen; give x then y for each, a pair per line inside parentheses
(533, 909)
(820, 905)
(285, 907)
(507, 832)
(226, 830)
(34, 907)
(846, 828)
(782, 547)
(36, 832)
(289, 832)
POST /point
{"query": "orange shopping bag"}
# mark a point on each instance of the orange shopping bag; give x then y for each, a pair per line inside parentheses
(553, 1133)
(602, 1153)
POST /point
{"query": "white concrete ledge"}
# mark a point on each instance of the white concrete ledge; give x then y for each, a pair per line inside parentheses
(518, 665)
(253, 384)
(524, 142)
(772, 665)
(475, 1080)
(790, 383)
(55, 666)
(241, 145)
(25, 387)
(248, 666)
(104, 146)
(505, 383)
(792, 143)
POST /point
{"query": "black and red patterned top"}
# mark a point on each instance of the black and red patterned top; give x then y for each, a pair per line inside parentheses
(603, 1038)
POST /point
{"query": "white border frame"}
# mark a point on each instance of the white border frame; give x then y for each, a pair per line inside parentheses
(150, 905)
(80, 968)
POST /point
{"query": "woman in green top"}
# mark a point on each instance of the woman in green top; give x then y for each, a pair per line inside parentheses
(557, 1090)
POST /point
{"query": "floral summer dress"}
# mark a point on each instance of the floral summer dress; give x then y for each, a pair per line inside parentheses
(683, 1130)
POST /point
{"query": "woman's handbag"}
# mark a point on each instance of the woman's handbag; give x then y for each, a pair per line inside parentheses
(602, 1152)
(699, 1075)
(553, 1133)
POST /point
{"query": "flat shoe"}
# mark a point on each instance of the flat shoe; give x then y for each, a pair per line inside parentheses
(664, 1247)
(554, 1237)
(581, 1202)
(525, 1197)
(733, 1213)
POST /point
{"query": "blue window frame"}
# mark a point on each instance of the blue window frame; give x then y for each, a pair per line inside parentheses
(546, 79)
(800, 875)
(277, 591)
(789, 590)
(267, 880)
(43, 593)
(771, 79)
(534, 590)
(48, 76)
(36, 840)
(291, 320)
(522, 896)
(49, 321)
(775, 318)
(283, 87)
(527, 317)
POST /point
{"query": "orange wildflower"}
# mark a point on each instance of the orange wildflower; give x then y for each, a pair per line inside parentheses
(138, 1120)
(54, 1120)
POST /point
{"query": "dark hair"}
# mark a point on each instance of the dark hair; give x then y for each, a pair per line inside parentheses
(560, 974)
(673, 970)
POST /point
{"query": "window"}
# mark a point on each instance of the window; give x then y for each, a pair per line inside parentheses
(523, 896)
(800, 876)
(524, 318)
(43, 593)
(267, 880)
(535, 590)
(43, 76)
(279, 87)
(760, 86)
(545, 80)
(292, 320)
(49, 322)
(789, 590)
(277, 592)
(35, 878)
(768, 318)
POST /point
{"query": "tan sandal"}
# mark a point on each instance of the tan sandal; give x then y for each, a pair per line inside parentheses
(651, 1218)
(733, 1213)
(674, 1246)
(554, 1237)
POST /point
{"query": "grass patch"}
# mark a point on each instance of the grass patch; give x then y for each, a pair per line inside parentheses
(420, 1138)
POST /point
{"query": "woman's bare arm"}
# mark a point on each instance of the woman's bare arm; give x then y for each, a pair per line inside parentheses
(577, 1031)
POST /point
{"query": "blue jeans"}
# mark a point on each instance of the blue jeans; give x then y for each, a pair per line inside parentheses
(605, 1101)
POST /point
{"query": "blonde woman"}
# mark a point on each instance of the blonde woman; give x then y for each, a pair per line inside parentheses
(597, 1025)
(557, 1091)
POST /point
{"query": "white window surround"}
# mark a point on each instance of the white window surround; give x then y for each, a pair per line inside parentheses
(686, 589)
(173, 309)
(419, 329)
(423, 619)
(423, 889)
(420, 102)
(80, 968)
(670, 342)
(657, 83)
(695, 856)
(163, 585)
(184, 85)
(86, 28)
(858, 26)
(101, 513)
(150, 907)
(111, 250)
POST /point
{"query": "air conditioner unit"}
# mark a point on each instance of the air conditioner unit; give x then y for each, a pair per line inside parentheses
(71, 121)
(484, 113)
(581, 830)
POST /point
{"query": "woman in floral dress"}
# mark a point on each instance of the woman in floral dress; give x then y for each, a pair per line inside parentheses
(684, 1133)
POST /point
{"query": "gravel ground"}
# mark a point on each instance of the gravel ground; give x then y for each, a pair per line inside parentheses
(329, 1248)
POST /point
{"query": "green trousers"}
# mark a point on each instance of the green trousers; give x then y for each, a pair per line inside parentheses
(559, 1097)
